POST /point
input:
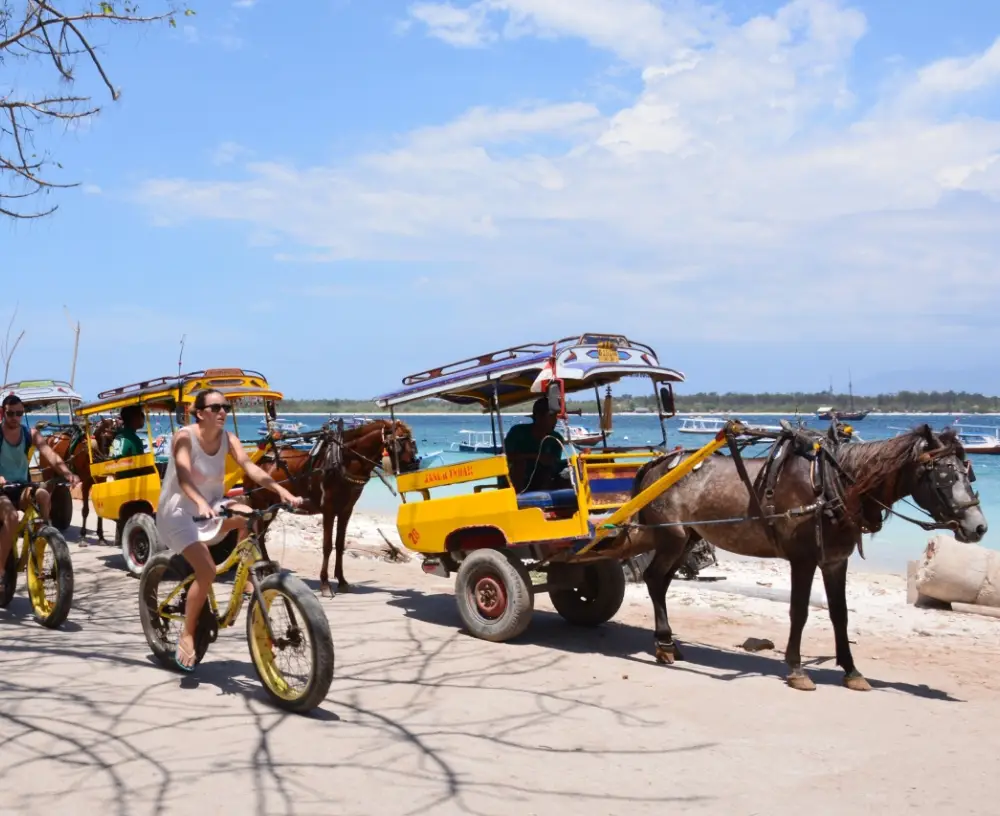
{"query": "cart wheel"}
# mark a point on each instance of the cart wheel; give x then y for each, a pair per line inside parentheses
(61, 514)
(494, 595)
(139, 542)
(597, 600)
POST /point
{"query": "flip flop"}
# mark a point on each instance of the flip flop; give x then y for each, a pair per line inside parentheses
(177, 661)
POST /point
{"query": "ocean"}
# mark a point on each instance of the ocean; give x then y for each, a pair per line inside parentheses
(889, 550)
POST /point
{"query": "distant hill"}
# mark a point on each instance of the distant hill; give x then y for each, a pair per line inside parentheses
(784, 403)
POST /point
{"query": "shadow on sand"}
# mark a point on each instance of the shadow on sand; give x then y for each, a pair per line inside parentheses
(634, 644)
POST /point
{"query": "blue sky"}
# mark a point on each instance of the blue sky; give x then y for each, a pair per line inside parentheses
(768, 193)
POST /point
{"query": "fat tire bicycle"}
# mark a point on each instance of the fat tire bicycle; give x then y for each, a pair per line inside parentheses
(307, 631)
(38, 538)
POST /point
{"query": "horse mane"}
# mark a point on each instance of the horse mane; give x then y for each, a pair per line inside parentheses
(370, 426)
(873, 466)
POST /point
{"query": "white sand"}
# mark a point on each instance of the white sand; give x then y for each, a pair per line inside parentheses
(424, 719)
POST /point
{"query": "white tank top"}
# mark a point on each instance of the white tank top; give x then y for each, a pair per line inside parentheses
(207, 472)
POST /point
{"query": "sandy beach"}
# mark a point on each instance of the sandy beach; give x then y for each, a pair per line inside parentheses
(422, 718)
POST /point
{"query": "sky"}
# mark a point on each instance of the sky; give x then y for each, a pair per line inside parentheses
(773, 195)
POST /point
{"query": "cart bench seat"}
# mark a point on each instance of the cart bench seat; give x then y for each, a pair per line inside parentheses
(548, 499)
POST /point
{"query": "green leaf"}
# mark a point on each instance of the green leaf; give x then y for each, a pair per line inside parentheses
(189, 12)
(107, 8)
(173, 22)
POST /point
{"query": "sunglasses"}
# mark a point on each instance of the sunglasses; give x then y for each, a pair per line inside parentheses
(15, 413)
(215, 407)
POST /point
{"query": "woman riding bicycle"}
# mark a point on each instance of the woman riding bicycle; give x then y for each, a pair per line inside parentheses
(194, 486)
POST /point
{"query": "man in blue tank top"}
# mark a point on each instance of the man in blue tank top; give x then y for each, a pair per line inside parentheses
(15, 491)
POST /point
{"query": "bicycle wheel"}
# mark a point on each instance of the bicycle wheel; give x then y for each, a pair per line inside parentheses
(8, 580)
(303, 637)
(161, 575)
(50, 577)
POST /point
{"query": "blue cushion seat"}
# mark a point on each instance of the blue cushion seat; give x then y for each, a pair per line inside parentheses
(612, 485)
(547, 499)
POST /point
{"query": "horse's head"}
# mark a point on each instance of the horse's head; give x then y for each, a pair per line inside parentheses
(104, 433)
(943, 484)
(401, 446)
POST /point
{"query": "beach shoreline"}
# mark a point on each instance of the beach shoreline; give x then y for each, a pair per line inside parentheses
(734, 414)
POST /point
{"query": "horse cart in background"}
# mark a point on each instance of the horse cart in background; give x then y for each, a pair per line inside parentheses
(470, 520)
(127, 489)
(53, 398)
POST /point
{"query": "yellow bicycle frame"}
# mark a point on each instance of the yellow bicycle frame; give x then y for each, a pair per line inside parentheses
(244, 556)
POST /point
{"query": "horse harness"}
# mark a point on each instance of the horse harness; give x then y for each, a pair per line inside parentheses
(327, 452)
(828, 479)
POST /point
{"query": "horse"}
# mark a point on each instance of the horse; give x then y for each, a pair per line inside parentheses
(65, 441)
(809, 525)
(331, 476)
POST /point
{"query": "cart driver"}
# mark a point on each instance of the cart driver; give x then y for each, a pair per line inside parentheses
(534, 452)
(15, 492)
(127, 441)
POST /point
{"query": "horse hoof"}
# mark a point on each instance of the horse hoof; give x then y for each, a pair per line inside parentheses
(667, 654)
(856, 682)
(324, 590)
(343, 586)
(801, 682)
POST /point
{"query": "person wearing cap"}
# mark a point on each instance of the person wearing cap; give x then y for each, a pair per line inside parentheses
(534, 451)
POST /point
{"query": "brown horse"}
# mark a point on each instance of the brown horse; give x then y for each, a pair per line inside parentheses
(65, 441)
(330, 477)
(818, 529)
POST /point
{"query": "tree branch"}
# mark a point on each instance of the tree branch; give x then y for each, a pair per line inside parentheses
(51, 32)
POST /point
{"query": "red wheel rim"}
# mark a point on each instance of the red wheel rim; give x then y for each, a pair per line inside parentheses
(490, 596)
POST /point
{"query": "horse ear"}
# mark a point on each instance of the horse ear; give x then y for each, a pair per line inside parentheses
(928, 434)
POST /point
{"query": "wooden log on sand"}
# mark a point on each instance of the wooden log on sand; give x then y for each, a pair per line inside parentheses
(954, 572)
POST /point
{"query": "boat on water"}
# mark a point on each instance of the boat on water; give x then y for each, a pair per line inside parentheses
(475, 442)
(482, 441)
(978, 438)
(283, 425)
(710, 426)
(829, 412)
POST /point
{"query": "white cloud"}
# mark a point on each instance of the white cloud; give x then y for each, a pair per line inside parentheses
(461, 27)
(91, 189)
(244, 3)
(636, 30)
(742, 192)
(229, 152)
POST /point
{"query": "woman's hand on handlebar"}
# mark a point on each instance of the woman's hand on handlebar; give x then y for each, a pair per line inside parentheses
(289, 498)
(205, 511)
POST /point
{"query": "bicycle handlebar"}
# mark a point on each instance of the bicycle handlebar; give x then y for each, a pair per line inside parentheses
(228, 512)
(34, 484)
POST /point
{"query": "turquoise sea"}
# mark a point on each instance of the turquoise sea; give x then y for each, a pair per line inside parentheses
(898, 542)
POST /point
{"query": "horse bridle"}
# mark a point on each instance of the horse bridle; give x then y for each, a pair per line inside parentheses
(944, 476)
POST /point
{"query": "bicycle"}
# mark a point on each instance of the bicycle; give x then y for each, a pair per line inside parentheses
(311, 637)
(39, 538)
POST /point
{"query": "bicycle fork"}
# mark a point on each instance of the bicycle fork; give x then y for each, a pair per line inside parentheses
(257, 569)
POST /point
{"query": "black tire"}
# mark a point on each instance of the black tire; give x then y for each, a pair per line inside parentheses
(50, 613)
(8, 584)
(597, 600)
(61, 513)
(494, 595)
(308, 613)
(167, 568)
(139, 542)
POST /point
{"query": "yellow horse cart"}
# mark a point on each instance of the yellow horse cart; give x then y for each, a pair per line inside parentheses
(44, 401)
(127, 490)
(470, 518)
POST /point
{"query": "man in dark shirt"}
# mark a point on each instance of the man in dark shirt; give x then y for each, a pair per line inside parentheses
(534, 452)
